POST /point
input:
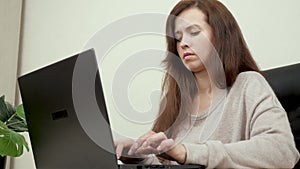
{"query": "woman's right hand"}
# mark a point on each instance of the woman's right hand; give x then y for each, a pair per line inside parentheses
(125, 147)
(122, 147)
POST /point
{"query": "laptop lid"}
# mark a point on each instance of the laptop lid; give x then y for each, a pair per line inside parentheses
(66, 115)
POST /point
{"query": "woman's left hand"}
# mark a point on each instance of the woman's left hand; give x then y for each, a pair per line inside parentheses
(158, 143)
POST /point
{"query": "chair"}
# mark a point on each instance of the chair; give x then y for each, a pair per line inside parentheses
(285, 82)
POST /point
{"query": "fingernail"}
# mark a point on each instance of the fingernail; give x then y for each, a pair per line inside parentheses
(135, 145)
(129, 152)
(158, 148)
(118, 156)
(145, 144)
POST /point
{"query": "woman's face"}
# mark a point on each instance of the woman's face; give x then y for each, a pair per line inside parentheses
(193, 39)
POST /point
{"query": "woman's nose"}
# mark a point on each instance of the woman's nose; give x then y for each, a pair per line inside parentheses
(184, 44)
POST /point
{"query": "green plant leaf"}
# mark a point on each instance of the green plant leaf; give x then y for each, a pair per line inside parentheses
(20, 111)
(11, 142)
(3, 109)
(11, 122)
(7, 110)
(18, 122)
(13, 118)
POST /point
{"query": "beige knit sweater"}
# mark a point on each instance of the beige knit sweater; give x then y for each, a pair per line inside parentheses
(247, 128)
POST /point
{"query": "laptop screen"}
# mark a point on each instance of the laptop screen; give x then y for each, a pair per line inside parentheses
(66, 115)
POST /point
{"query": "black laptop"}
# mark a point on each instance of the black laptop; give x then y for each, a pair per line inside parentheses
(67, 117)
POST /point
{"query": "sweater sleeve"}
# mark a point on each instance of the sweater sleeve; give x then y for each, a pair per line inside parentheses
(271, 143)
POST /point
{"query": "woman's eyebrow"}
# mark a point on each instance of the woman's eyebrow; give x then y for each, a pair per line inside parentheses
(188, 28)
(192, 26)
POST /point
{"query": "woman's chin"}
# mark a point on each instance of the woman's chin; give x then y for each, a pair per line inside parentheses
(195, 69)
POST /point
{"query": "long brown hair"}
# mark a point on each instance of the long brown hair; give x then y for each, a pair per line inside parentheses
(179, 86)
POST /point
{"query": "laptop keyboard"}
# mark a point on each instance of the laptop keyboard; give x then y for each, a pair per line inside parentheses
(128, 166)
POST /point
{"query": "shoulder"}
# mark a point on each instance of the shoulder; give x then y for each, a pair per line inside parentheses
(251, 82)
(250, 76)
(250, 79)
(252, 89)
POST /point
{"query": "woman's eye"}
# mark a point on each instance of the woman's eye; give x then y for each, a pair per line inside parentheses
(195, 33)
(178, 39)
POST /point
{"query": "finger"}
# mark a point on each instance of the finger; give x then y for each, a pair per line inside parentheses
(166, 145)
(146, 150)
(122, 145)
(155, 140)
(132, 149)
(138, 143)
(143, 138)
(119, 150)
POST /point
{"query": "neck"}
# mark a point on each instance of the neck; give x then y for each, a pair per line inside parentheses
(203, 82)
(207, 92)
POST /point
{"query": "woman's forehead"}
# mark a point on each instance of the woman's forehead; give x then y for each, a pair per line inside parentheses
(188, 18)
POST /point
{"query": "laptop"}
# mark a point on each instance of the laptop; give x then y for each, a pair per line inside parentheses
(67, 117)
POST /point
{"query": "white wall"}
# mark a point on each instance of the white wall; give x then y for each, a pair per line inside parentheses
(10, 22)
(56, 29)
(271, 29)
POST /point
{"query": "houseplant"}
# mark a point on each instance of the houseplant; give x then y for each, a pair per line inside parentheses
(12, 122)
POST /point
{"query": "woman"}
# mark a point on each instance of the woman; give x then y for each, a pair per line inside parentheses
(217, 109)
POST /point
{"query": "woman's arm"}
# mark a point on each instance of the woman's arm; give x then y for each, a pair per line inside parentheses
(270, 143)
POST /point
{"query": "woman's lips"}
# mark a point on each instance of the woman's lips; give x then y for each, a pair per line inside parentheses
(187, 55)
